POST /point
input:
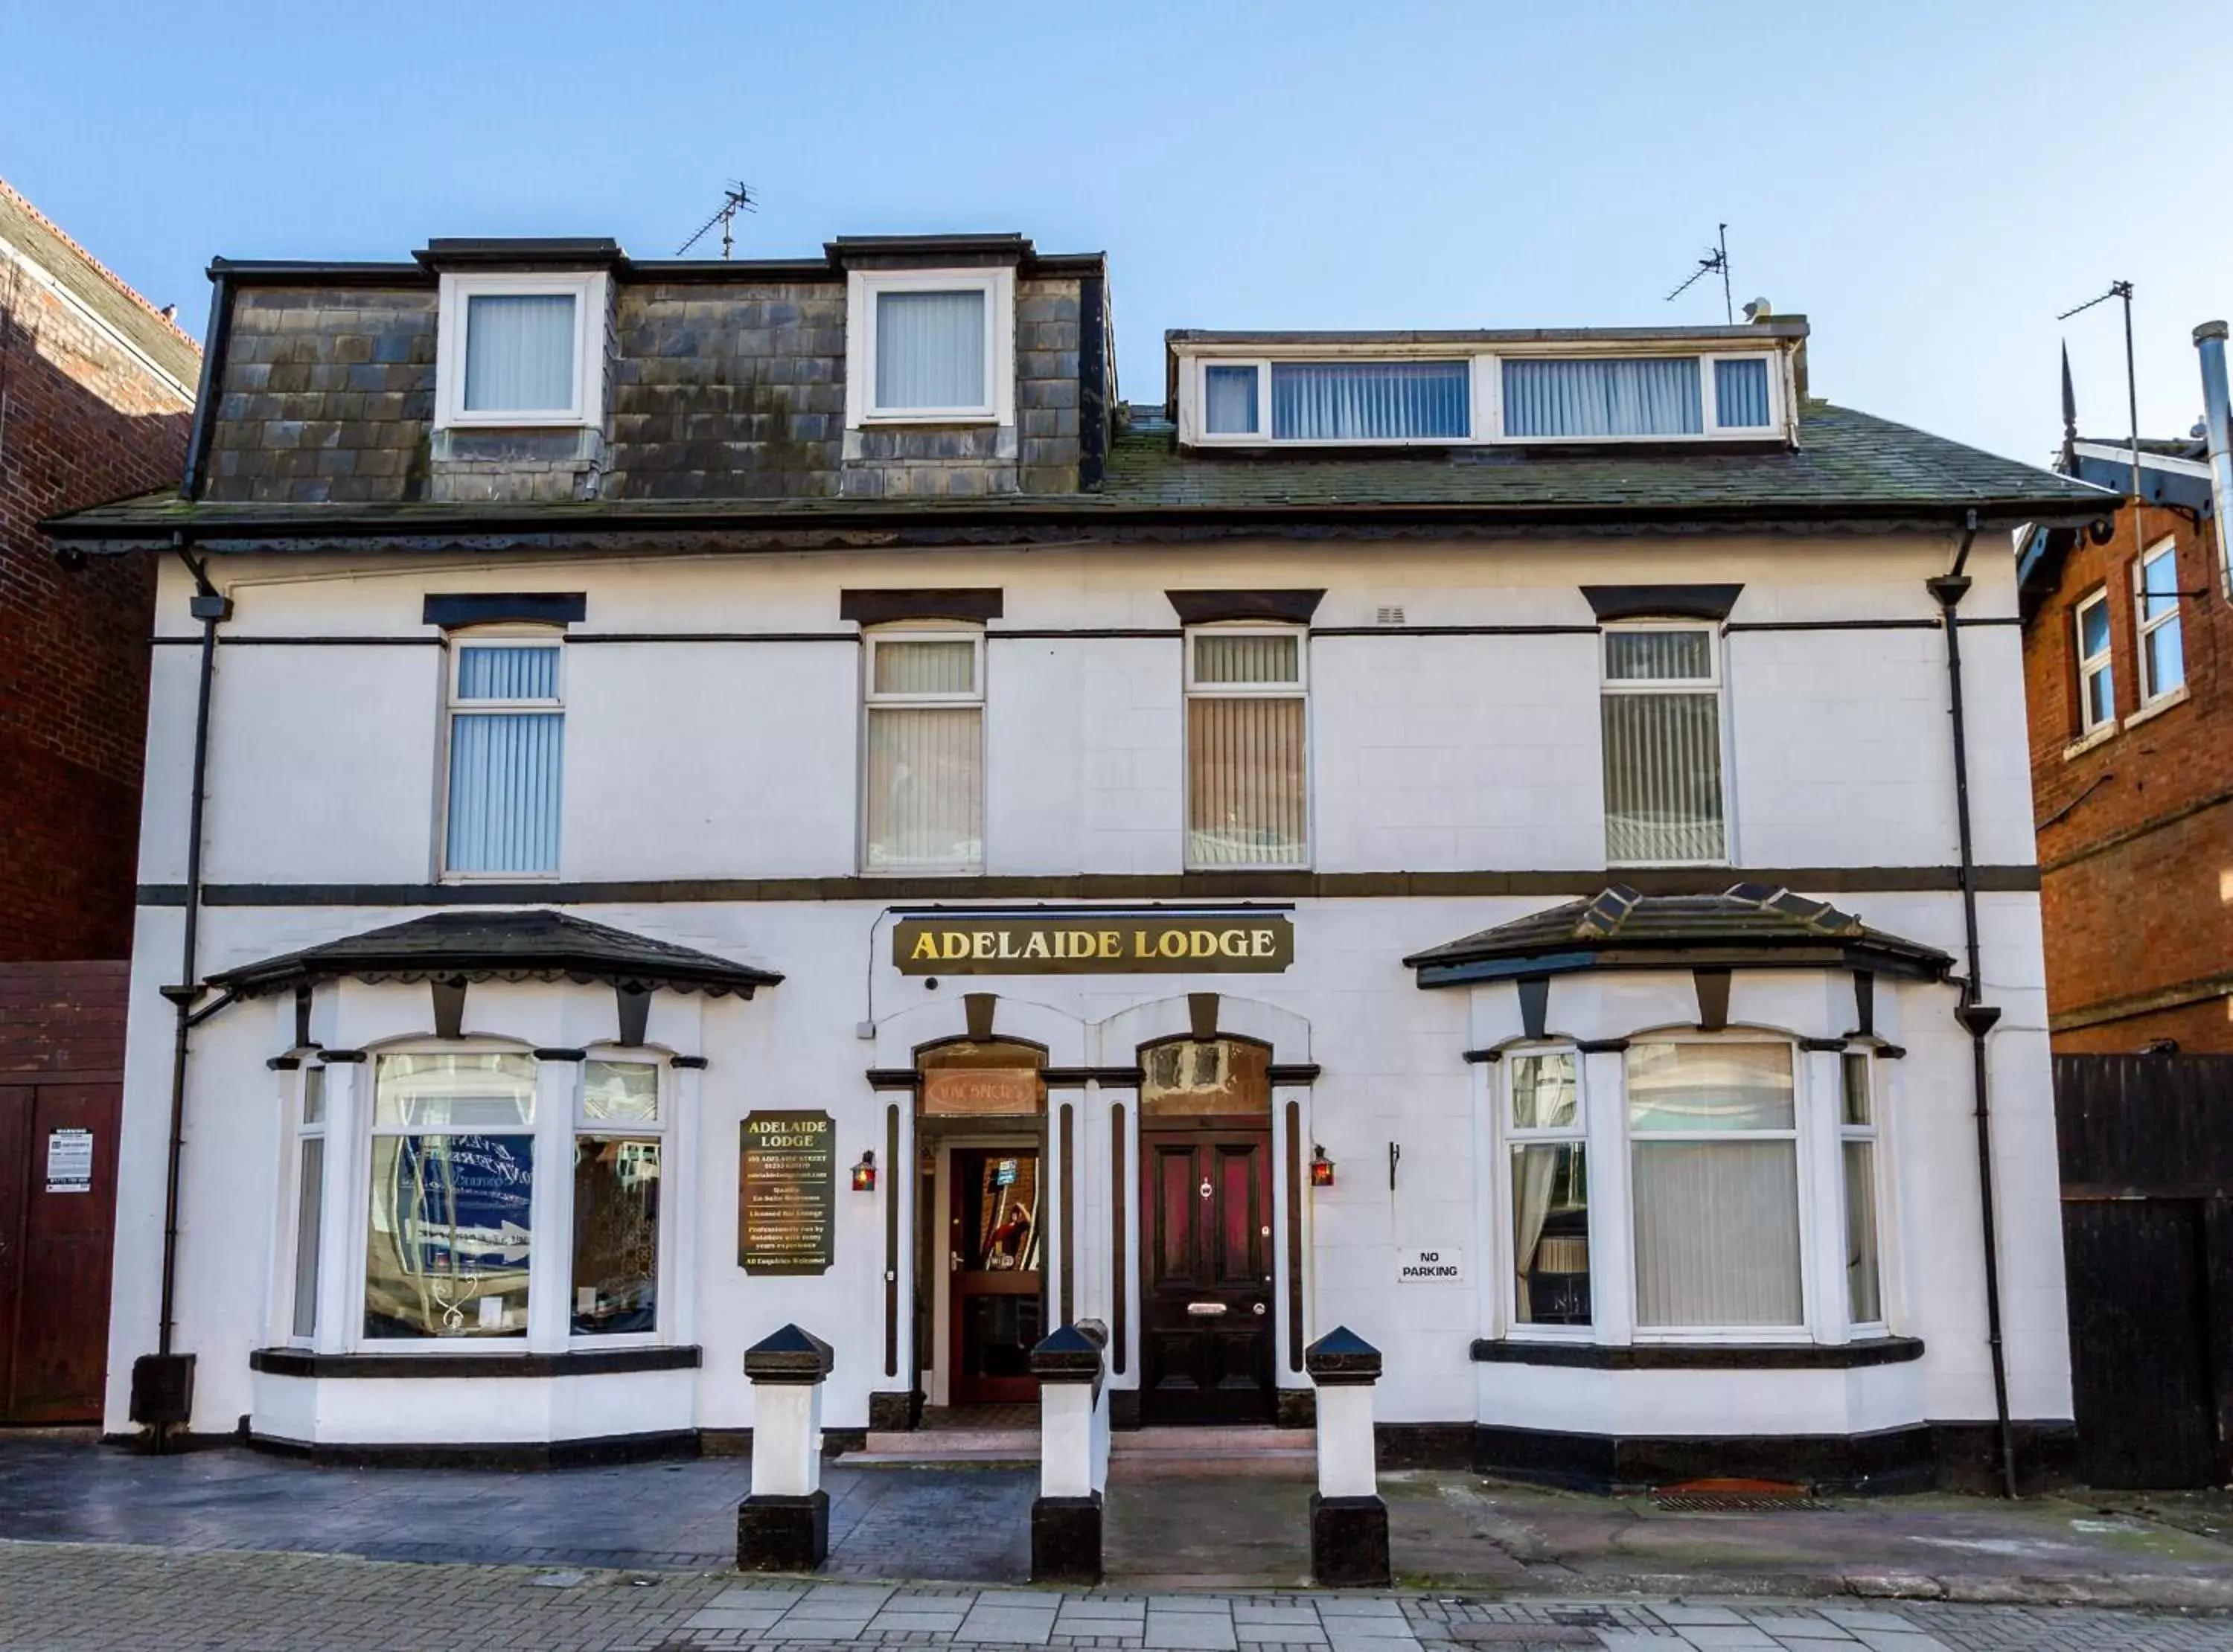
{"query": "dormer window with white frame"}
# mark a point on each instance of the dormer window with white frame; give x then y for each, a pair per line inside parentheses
(930, 346)
(1361, 396)
(521, 350)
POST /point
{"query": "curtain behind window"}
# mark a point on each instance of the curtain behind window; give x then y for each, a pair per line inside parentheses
(1369, 401)
(930, 350)
(1651, 396)
(926, 791)
(519, 353)
(1741, 393)
(1717, 1234)
(503, 792)
(1663, 778)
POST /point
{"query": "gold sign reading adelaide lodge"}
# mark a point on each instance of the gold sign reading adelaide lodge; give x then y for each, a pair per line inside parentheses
(1094, 943)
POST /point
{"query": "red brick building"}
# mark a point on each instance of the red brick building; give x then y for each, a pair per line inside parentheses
(2128, 661)
(96, 386)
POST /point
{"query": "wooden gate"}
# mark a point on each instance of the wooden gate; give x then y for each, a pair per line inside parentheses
(2146, 1147)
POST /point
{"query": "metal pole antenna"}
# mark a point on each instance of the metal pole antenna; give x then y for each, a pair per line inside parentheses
(1722, 246)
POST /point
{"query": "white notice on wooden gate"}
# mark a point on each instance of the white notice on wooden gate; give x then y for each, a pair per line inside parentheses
(1431, 1267)
(70, 1161)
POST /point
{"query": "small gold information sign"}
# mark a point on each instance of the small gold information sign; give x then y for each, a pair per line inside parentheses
(1092, 943)
(786, 1193)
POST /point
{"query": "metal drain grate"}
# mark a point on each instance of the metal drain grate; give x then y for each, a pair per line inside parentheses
(1732, 1502)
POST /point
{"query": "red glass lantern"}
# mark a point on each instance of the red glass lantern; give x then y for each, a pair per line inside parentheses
(1321, 1168)
(864, 1174)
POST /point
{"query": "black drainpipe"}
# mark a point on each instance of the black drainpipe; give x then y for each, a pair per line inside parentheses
(163, 1383)
(1977, 1019)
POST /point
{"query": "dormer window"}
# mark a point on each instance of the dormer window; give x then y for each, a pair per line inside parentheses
(521, 350)
(931, 346)
(1362, 391)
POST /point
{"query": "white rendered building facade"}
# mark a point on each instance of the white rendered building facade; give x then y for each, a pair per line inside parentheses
(963, 858)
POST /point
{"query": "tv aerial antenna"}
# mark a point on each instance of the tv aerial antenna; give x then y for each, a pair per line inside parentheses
(1715, 263)
(2122, 289)
(737, 197)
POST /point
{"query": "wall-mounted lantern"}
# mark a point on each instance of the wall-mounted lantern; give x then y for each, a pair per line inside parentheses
(865, 1174)
(1321, 1167)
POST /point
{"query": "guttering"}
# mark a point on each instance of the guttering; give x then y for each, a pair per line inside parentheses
(171, 1376)
(2210, 342)
(1977, 1019)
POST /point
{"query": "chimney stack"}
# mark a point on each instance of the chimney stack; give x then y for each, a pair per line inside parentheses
(2209, 343)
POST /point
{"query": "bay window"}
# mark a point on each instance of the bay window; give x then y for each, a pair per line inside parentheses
(618, 1156)
(1857, 1149)
(1547, 1163)
(923, 778)
(507, 746)
(450, 1237)
(1247, 802)
(309, 1202)
(1714, 1169)
(1661, 707)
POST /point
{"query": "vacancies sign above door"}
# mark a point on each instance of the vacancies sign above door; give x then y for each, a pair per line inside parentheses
(1094, 943)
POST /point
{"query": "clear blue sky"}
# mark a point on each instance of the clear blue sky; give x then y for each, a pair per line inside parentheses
(1929, 182)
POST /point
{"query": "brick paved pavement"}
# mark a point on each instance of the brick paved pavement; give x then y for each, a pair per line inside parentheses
(78, 1598)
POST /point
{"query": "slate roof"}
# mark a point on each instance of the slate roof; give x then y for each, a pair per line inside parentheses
(1845, 464)
(99, 288)
(1750, 926)
(536, 946)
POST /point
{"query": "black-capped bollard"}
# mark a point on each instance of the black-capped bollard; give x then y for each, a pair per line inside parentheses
(1348, 1523)
(783, 1525)
(1073, 1454)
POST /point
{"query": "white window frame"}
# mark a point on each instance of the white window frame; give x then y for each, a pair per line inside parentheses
(1873, 1133)
(872, 701)
(2143, 628)
(588, 290)
(581, 1126)
(1709, 393)
(1508, 1136)
(1259, 436)
(1714, 682)
(289, 1239)
(2090, 666)
(862, 290)
(454, 644)
(1194, 400)
(1799, 1133)
(1299, 689)
(546, 1215)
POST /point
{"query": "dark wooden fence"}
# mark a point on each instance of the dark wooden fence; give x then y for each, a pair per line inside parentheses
(2146, 1146)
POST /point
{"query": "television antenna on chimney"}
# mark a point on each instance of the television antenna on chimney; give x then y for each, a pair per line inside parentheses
(1715, 263)
(738, 197)
(2122, 289)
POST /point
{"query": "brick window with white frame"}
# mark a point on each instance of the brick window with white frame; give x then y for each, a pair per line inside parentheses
(2097, 677)
(923, 783)
(521, 350)
(1248, 740)
(1662, 721)
(2162, 648)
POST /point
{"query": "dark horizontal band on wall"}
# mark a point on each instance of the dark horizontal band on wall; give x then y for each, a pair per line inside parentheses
(1114, 886)
(1701, 1357)
(599, 1362)
(226, 641)
(875, 606)
(449, 608)
(598, 1452)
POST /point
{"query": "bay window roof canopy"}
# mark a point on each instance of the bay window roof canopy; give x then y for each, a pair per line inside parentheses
(533, 945)
(1749, 926)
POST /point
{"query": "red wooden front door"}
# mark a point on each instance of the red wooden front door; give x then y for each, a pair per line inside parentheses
(55, 1234)
(1205, 1289)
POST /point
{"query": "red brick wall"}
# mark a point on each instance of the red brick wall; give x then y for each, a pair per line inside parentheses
(86, 421)
(62, 1018)
(2137, 886)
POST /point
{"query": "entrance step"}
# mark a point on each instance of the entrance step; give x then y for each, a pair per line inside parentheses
(1148, 1453)
(932, 1446)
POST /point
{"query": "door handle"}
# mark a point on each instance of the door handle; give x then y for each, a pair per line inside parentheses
(1205, 1310)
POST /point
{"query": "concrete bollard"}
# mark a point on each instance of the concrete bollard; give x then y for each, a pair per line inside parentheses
(783, 1525)
(1073, 1454)
(1348, 1523)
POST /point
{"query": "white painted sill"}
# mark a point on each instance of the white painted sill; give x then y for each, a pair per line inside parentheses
(2086, 743)
(2158, 706)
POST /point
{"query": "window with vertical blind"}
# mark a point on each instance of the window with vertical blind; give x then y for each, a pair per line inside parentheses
(519, 349)
(929, 347)
(507, 747)
(1661, 708)
(930, 350)
(923, 785)
(1714, 1172)
(1247, 799)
